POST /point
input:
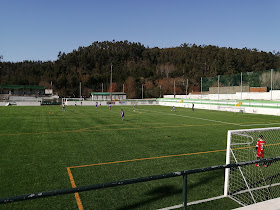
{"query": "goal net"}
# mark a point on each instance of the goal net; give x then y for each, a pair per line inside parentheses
(250, 184)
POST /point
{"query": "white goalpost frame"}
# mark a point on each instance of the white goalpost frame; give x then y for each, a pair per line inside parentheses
(228, 158)
(227, 162)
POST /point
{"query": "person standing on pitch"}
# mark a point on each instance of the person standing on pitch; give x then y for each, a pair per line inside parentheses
(193, 107)
(96, 104)
(122, 114)
(259, 149)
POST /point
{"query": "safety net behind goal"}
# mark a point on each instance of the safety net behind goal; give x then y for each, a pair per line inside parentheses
(258, 182)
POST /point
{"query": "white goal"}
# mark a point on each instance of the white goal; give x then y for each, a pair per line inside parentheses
(252, 183)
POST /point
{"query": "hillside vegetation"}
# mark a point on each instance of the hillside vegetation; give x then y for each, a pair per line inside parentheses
(134, 64)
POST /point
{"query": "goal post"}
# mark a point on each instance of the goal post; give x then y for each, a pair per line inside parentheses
(252, 183)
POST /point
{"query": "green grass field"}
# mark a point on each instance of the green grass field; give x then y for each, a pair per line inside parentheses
(41, 145)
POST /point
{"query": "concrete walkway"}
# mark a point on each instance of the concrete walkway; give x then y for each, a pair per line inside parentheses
(273, 204)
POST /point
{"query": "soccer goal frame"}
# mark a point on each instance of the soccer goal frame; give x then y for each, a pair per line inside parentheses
(255, 183)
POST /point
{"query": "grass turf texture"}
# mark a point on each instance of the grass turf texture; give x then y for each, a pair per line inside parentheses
(38, 144)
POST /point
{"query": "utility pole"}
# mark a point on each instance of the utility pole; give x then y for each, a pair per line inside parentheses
(241, 86)
(142, 92)
(1, 58)
(51, 88)
(271, 84)
(219, 87)
(111, 81)
(80, 89)
(187, 87)
(201, 89)
(174, 89)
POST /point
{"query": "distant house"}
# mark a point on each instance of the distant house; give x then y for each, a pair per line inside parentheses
(22, 90)
(107, 96)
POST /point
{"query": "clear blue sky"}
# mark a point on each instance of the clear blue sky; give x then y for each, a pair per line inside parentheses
(39, 29)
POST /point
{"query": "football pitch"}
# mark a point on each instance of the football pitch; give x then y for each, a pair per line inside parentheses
(44, 148)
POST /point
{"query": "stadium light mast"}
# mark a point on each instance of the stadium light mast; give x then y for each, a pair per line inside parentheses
(201, 89)
(142, 92)
(111, 81)
(174, 89)
(1, 58)
(218, 87)
(51, 88)
(271, 84)
(187, 86)
(241, 86)
(80, 89)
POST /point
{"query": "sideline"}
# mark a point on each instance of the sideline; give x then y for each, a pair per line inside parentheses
(205, 119)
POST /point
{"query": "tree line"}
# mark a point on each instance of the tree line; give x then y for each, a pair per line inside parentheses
(135, 65)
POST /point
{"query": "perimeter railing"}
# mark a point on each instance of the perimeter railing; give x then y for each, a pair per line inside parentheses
(184, 174)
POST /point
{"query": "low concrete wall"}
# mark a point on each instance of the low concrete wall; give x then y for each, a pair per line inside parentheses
(227, 106)
(21, 103)
(3, 103)
(24, 103)
(119, 103)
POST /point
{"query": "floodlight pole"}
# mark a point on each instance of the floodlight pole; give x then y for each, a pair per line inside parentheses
(241, 85)
(174, 89)
(271, 84)
(51, 88)
(142, 92)
(1, 58)
(201, 90)
(187, 87)
(111, 81)
(80, 89)
(218, 87)
(102, 87)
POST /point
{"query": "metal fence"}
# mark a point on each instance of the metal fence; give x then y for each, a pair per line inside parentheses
(184, 174)
(267, 78)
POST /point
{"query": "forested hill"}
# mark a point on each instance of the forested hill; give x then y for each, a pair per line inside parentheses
(134, 64)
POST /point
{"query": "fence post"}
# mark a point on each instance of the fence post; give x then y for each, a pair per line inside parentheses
(185, 192)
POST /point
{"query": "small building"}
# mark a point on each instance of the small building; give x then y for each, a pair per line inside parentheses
(22, 90)
(107, 96)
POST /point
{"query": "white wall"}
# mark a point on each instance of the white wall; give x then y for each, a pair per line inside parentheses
(21, 103)
(226, 107)
(104, 103)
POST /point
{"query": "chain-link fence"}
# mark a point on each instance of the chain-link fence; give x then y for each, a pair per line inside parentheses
(242, 82)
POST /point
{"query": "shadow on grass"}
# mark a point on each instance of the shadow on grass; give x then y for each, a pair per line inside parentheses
(163, 192)
(157, 194)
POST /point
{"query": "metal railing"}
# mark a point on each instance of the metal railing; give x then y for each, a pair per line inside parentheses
(133, 181)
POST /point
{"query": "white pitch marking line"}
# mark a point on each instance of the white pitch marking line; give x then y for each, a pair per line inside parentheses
(205, 119)
(193, 203)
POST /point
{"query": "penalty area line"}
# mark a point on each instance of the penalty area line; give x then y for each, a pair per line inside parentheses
(149, 158)
(77, 196)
